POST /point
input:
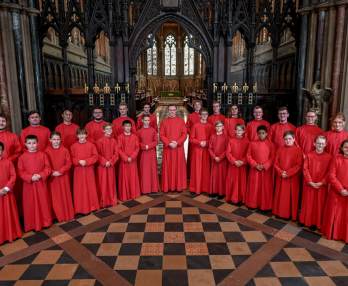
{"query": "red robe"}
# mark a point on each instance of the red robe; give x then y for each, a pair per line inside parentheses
(216, 117)
(217, 148)
(335, 217)
(315, 169)
(153, 122)
(287, 190)
(42, 133)
(128, 179)
(68, 134)
(236, 179)
(200, 164)
(37, 208)
(9, 221)
(276, 133)
(95, 130)
(85, 191)
(148, 160)
(251, 129)
(334, 140)
(117, 125)
(59, 187)
(106, 177)
(192, 119)
(12, 145)
(230, 125)
(305, 136)
(173, 165)
(260, 183)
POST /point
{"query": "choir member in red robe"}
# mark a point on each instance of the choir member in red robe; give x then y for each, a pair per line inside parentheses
(173, 134)
(252, 126)
(67, 129)
(217, 151)
(147, 157)
(10, 140)
(108, 155)
(233, 120)
(236, 179)
(146, 112)
(41, 132)
(200, 164)
(216, 116)
(287, 166)
(84, 155)
(59, 181)
(336, 135)
(315, 172)
(335, 217)
(260, 157)
(117, 122)
(34, 169)
(278, 129)
(94, 128)
(306, 134)
(128, 180)
(9, 220)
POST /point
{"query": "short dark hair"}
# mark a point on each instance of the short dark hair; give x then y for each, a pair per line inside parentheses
(289, 132)
(98, 107)
(55, 133)
(126, 122)
(262, 127)
(342, 144)
(203, 110)
(283, 108)
(3, 115)
(81, 131)
(2, 146)
(33, 112)
(31, 137)
(67, 109)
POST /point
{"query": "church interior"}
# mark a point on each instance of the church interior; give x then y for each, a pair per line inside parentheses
(86, 54)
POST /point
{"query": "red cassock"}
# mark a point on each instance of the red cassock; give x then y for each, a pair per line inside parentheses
(315, 169)
(200, 164)
(305, 136)
(260, 183)
(148, 160)
(68, 134)
(251, 129)
(42, 133)
(117, 125)
(192, 119)
(95, 130)
(276, 133)
(85, 190)
(173, 164)
(216, 117)
(153, 122)
(128, 179)
(37, 207)
(335, 217)
(217, 148)
(9, 221)
(236, 179)
(230, 125)
(287, 190)
(334, 140)
(59, 187)
(106, 176)
(12, 145)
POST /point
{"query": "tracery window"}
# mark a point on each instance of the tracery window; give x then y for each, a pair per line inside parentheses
(152, 59)
(170, 55)
(189, 58)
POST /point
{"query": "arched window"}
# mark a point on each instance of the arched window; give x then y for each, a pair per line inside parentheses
(152, 59)
(189, 58)
(170, 55)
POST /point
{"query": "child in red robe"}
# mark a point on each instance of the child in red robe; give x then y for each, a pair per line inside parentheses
(128, 180)
(251, 129)
(117, 122)
(84, 156)
(9, 221)
(287, 165)
(148, 159)
(34, 169)
(315, 170)
(233, 120)
(216, 116)
(336, 135)
(260, 157)
(59, 181)
(335, 217)
(236, 183)
(146, 112)
(67, 129)
(106, 177)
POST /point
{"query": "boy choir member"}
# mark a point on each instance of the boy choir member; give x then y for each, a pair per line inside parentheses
(94, 128)
(252, 126)
(117, 122)
(67, 129)
(146, 112)
(233, 120)
(84, 156)
(287, 166)
(216, 116)
(236, 153)
(336, 135)
(12, 146)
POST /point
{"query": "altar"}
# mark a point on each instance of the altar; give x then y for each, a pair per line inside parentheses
(171, 97)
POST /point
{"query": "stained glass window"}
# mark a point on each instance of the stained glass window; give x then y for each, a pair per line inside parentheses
(189, 58)
(170, 55)
(152, 59)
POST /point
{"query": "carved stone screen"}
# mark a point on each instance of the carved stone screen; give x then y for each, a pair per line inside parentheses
(170, 3)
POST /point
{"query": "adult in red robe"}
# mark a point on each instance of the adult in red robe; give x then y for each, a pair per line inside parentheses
(260, 157)
(59, 181)
(173, 134)
(128, 179)
(146, 112)
(336, 135)
(233, 120)
(9, 220)
(84, 155)
(200, 164)
(252, 126)
(108, 155)
(67, 129)
(315, 184)
(147, 157)
(117, 122)
(94, 128)
(306, 134)
(287, 166)
(41, 132)
(216, 116)
(34, 169)
(236, 179)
